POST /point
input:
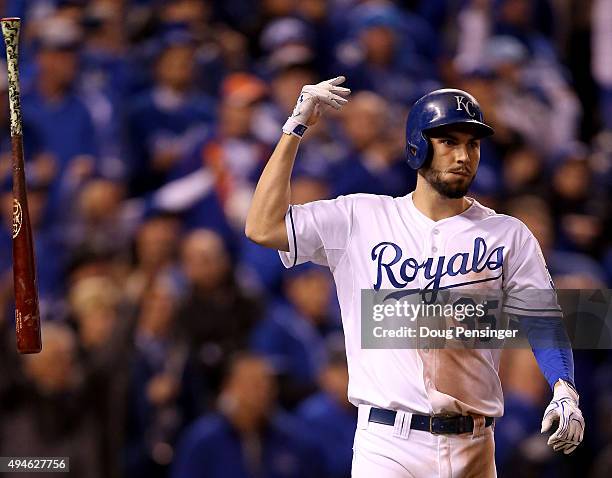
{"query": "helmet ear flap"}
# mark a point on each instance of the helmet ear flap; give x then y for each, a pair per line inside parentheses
(429, 154)
(412, 155)
(417, 151)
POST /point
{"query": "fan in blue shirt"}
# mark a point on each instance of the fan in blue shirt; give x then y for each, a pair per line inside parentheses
(247, 437)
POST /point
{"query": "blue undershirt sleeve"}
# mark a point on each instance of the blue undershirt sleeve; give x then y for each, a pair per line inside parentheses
(551, 347)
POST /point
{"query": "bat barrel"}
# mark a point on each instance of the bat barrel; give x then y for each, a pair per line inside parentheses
(27, 315)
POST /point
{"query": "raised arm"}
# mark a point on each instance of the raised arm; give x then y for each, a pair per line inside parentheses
(265, 222)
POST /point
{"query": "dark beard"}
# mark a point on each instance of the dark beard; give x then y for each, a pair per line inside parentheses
(446, 189)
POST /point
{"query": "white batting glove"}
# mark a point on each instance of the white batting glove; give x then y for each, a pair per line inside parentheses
(564, 409)
(311, 100)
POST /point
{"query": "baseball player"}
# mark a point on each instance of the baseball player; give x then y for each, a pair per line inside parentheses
(422, 412)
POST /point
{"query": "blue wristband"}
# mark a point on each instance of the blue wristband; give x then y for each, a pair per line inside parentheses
(293, 127)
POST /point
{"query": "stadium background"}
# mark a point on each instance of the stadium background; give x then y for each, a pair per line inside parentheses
(146, 126)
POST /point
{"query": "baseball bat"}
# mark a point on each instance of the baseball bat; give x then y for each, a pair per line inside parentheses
(27, 317)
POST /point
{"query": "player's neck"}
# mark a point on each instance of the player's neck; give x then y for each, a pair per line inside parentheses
(434, 205)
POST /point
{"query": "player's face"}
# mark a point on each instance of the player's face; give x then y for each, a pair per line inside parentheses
(456, 155)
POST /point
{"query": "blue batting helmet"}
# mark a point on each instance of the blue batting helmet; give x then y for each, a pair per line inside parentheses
(440, 108)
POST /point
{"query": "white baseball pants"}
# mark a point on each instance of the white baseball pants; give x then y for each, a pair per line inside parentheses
(383, 451)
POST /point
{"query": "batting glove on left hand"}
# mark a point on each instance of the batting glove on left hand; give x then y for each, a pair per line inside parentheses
(564, 409)
(310, 102)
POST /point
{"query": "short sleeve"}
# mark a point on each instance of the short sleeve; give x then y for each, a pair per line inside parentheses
(318, 232)
(528, 287)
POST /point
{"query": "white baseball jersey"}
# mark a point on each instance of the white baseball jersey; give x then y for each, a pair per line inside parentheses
(380, 242)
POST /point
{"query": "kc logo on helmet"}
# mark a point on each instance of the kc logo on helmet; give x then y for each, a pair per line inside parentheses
(465, 104)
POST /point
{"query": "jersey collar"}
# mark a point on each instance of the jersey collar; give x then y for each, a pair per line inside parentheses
(414, 211)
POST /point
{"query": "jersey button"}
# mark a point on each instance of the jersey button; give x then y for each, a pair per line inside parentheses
(436, 231)
(434, 249)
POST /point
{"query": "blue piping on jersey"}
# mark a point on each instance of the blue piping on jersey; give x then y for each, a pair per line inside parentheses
(532, 309)
(294, 237)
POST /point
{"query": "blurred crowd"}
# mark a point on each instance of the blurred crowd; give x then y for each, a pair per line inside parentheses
(174, 347)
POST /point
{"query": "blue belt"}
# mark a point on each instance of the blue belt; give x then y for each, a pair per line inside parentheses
(436, 425)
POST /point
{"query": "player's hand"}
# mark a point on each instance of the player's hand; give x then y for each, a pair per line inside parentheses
(311, 102)
(564, 409)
